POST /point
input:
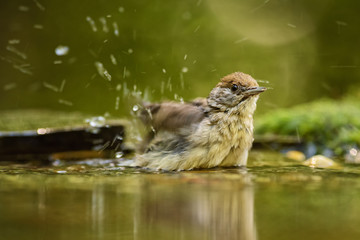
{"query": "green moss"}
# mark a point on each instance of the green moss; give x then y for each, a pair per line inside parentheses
(330, 123)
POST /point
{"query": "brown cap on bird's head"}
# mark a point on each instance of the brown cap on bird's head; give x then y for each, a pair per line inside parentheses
(238, 78)
(234, 89)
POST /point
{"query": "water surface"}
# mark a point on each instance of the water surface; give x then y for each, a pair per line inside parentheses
(273, 199)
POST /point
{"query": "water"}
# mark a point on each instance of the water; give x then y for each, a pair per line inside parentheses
(102, 71)
(62, 50)
(272, 199)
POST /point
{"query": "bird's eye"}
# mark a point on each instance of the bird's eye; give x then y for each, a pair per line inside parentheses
(234, 87)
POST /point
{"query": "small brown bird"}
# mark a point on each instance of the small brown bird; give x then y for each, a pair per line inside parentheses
(204, 133)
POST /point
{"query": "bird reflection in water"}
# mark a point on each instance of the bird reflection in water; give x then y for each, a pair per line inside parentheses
(200, 209)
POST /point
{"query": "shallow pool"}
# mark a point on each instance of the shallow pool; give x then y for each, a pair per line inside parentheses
(273, 198)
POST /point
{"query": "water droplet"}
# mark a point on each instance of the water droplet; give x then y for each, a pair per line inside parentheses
(113, 59)
(135, 108)
(119, 138)
(117, 100)
(162, 89)
(14, 41)
(39, 5)
(130, 51)
(104, 24)
(65, 102)
(241, 40)
(92, 23)
(102, 71)
(22, 68)
(51, 87)
(262, 81)
(182, 83)
(116, 29)
(56, 162)
(197, 29)
(61, 50)
(38, 26)
(121, 9)
(125, 89)
(96, 121)
(126, 73)
(41, 131)
(63, 82)
(23, 8)
(169, 84)
(341, 23)
(291, 25)
(164, 70)
(14, 50)
(184, 69)
(186, 16)
(119, 154)
(107, 75)
(9, 86)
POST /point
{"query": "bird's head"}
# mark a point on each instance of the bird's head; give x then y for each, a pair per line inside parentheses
(234, 90)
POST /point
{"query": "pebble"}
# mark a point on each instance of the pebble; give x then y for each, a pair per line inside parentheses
(353, 156)
(320, 161)
(295, 155)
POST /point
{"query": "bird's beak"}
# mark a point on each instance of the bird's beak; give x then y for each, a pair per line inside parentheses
(254, 91)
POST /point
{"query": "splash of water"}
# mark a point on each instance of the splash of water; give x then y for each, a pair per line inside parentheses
(39, 5)
(14, 50)
(102, 71)
(98, 121)
(63, 82)
(62, 50)
(9, 86)
(116, 29)
(38, 26)
(65, 102)
(51, 87)
(113, 59)
(105, 27)
(92, 23)
(117, 101)
(23, 8)
(14, 41)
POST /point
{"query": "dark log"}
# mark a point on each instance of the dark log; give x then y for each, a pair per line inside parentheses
(46, 141)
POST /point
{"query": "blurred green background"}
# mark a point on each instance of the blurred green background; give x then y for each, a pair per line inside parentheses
(107, 50)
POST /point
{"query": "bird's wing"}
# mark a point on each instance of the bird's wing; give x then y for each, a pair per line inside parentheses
(171, 116)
